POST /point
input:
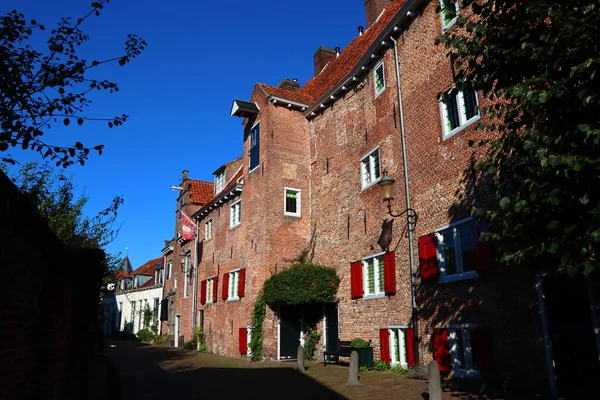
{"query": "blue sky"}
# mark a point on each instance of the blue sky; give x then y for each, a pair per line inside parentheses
(200, 56)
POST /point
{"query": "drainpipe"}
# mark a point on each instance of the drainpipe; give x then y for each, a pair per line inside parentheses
(411, 250)
(195, 291)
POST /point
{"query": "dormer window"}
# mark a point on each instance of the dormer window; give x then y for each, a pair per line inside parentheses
(219, 181)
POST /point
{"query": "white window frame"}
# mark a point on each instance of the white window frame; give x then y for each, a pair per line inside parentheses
(169, 269)
(233, 285)
(460, 275)
(380, 64)
(449, 24)
(232, 222)
(457, 370)
(368, 161)
(208, 229)
(462, 115)
(298, 212)
(187, 274)
(210, 289)
(401, 343)
(379, 291)
(220, 182)
(250, 147)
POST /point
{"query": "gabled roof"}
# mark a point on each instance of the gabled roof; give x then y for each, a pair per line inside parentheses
(149, 267)
(201, 191)
(232, 187)
(337, 69)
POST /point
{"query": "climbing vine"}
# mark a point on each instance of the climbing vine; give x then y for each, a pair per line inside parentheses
(256, 323)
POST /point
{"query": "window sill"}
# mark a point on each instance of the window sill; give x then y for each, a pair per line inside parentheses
(374, 296)
(462, 127)
(370, 184)
(253, 169)
(459, 277)
(233, 299)
(291, 215)
(234, 226)
(377, 94)
(449, 24)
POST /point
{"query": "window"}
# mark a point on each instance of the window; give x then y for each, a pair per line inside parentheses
(219, 181)
(186, 283)
(459, 110)
(132, 319)
(159, 276)
(233, 285)
(456, 251)
(208, 229)
(210, 290)
(169, 267)
(235, 214)
(449, 11)
(398, 346)
(373, 276)
(379, 79)
(254, 150)
(291, 202)
(370, 168)
(464, 354)
(155, 309)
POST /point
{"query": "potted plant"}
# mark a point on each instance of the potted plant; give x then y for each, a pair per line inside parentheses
(365, 352)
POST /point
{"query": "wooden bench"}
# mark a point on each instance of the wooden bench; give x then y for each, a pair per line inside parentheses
(344, 349)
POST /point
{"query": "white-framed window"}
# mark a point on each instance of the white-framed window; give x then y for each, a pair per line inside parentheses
(155, 310)
(373, 276)
(379, 78)
(449, 10)
(291, 199)
(208, 229)
(456, 250)
(235, 214)
(464, 354)
(370, 168)
(219, 181)
(210, 289)
(398, 347)
(169, 268)
(233, 285)
(459, 110)
(254, 149)
(159, 276)
(187, 276)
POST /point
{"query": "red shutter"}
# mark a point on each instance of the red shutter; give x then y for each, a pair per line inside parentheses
(203, 292)
(225, 291)
(441, 349)
(483, 250)
(428, 262)
(389, 273)
(242, 283)
(483, 344)
(356, 285)
(409, 336)
(215, 287)
(243, 341)
(384, 338)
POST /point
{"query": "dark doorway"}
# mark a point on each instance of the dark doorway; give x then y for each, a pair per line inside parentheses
(572, 335)
(289, 332)
(331, 329)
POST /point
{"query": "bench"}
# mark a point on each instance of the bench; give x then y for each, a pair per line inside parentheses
(344, 349)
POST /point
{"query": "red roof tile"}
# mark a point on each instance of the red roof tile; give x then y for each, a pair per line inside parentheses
(337, 69)
(149, 267)
(201, 191)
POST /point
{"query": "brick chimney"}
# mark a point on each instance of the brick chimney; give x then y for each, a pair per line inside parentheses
(288, 84)
(374, 8)
(322, 56)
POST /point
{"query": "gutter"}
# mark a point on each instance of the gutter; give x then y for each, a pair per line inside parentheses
(411, 250)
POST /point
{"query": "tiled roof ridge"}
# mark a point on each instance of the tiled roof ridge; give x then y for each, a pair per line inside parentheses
(200, 191)
(148, 267)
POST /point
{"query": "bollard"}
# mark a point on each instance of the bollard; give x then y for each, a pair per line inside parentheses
(435, 385)
(353, 373)
(300, 359)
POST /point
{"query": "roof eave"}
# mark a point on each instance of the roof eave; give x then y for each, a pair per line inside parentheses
(217, 201)
(288, 102)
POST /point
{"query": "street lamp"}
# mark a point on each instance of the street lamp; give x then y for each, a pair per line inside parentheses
(386, 188)
(182, 259)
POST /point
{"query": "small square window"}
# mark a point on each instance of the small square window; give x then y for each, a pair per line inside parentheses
(456, 251)
(208, 230)
(235, 214)
(459, 110)
(373, 276)
(370, 169)
(449, 10)
(379, 78)
(234, 280)
(291, 202)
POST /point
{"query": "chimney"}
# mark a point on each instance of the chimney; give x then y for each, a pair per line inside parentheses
(292, 85)
(374, 8)
(337, 52)
(361, 29)
(322, 56)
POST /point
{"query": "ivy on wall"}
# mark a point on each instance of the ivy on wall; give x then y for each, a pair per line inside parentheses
(302, 283)
(256, 322)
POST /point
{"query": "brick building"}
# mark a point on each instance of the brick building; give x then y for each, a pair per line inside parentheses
(312, 159)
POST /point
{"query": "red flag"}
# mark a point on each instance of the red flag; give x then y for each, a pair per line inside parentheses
(188, 228)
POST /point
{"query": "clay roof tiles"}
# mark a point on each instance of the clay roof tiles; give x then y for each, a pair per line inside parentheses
(201, 192)
(149, 267)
